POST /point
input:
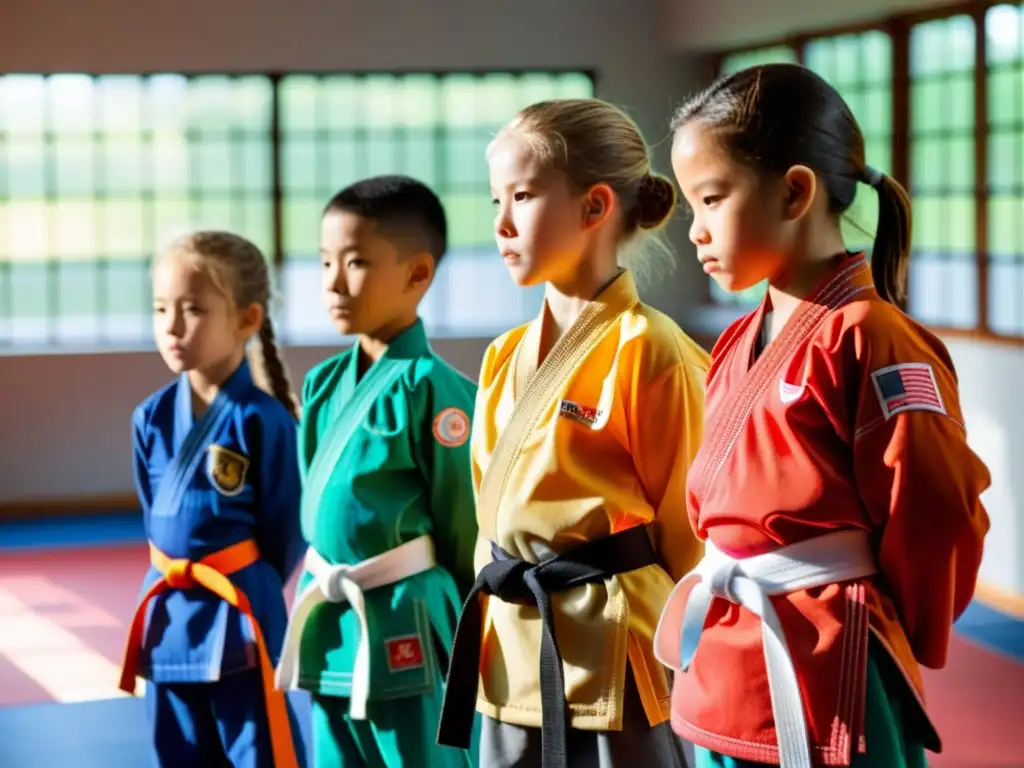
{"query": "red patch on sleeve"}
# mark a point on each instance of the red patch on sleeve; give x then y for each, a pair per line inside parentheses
(404, 653)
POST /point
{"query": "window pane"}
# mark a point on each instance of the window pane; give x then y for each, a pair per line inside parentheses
(100, 172)
(302, 226)
(943, 284)
(26, 167)
(435, 128)
(76, 167)
(1004, 31)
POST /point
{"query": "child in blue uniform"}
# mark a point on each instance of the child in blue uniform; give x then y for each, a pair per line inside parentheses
(216, 473)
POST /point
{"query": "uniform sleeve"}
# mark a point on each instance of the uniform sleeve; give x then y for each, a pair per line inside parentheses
(919, 481)
(279, 533)
(140, 460)
(667, 429)
(444, 460)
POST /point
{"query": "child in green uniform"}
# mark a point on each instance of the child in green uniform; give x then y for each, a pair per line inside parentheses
(387, 503)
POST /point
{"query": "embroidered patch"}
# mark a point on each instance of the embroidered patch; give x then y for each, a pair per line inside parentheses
(907, 387)
(451, 427)
(404, 653)
(581, 413)
(226, 470)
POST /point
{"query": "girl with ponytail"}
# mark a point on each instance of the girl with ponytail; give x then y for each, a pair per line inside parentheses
(216, 472)
(835, 491)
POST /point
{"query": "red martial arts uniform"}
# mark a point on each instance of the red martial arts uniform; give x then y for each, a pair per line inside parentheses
(850, 419)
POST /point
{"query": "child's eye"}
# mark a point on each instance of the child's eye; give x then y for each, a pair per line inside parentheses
(521, 196)
(712, 199)
(357, 263)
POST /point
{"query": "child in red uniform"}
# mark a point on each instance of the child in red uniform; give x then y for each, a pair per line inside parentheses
(835, 489)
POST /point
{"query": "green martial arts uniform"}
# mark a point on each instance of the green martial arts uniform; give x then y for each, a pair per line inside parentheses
(400, 472)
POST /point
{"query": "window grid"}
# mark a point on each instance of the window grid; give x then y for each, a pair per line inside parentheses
(943, 275)
(1004, 32)
(101, 171)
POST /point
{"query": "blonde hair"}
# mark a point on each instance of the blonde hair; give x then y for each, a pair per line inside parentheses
(594, 142)
(238, 269)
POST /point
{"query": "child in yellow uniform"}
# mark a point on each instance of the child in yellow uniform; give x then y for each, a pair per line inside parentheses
(587, 420)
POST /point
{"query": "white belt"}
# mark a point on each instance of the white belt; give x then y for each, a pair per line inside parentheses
(341, 583)
(824, 560)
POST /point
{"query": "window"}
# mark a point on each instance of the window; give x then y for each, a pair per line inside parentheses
(859, 67)
(779, 54)
(943, 275)
(339, 128)
(1004, 33)
(98, 173)
(927, 72)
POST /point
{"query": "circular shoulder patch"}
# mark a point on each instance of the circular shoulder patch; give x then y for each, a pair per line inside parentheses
(451, 427)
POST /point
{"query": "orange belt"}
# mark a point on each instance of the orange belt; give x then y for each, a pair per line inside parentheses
(212, 573)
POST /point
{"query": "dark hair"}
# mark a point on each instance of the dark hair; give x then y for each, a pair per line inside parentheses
(239, 270)
(775, 116)
(404, 209)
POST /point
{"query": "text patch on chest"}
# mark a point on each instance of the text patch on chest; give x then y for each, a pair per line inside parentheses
(583, 414)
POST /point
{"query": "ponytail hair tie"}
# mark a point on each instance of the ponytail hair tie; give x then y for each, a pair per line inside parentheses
(872, 177)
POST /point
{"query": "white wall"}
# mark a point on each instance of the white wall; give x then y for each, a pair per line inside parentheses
(64, 418)
(990, 391)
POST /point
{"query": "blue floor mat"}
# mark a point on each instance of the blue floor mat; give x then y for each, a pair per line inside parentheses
(77, 531)
(81, 735)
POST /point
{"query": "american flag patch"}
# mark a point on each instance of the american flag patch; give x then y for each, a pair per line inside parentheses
(907, 387)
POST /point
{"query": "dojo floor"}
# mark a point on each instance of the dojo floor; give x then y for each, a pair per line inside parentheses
(67, 590)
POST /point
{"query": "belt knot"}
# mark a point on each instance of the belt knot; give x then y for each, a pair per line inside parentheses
(179, 574)
(332, 583)
(720, 581)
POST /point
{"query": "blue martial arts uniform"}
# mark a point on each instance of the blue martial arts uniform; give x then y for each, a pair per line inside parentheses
(232, 475)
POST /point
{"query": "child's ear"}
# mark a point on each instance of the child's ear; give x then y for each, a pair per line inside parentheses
(421, 270)
(801, 187)
(597, 205)
(250, 319)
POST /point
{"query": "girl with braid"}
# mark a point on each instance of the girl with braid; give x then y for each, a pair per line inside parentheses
(216, 472)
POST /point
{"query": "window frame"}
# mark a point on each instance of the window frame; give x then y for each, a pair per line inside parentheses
(898, 27)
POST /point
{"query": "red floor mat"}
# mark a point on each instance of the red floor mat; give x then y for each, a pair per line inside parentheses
(90, 593)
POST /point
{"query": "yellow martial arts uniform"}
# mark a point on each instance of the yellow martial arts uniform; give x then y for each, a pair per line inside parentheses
(615, 418)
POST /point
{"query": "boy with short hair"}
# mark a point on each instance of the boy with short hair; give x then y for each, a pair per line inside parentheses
(387, 504)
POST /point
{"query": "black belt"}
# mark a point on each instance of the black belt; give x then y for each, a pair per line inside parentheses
(513, 580)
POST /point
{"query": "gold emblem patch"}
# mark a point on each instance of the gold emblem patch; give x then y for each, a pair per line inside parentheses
(226, 470)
